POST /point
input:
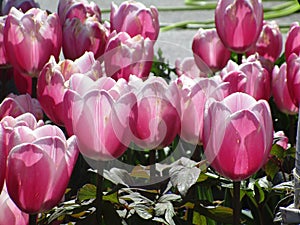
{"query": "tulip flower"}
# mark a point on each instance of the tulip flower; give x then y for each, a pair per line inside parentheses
(103, 137)
(292, 40)
(155, 119)
(9, 212)
(31, 38)
(53, 82)
(15, 105)
(249, 77)
(239, 23)
(3, 56)
(135, 19)
(193, 96)
(293, 75)
(269, 43)
(125, 56)
(281, 92)
(188, 67)
(238, 135)
(281, 140)
(209, 52)
(24, 5)
(82, 9)
(39, 166)
(81, 36)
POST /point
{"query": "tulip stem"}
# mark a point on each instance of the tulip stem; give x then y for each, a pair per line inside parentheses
(236, 203)
(32, 219)
(99, 196)
(152, 159)
(239, 58)
(33, 87)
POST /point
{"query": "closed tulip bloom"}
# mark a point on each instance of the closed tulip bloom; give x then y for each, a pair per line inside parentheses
(104, 136)
(293, 78)
(39, 166)
(82, 9)
(125, 56)
(15, 105)
(193, 98)
(135, 19)
(269, 43)
(155, 119)
(292, 40)
(24, 5)
(31, 38)
(238, 135)
(209, 52)
(239, 23)
(9, 212)
(81, 36)
(3, 57)
(281, 92)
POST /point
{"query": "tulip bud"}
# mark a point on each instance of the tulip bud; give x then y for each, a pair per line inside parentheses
(31, 38)
(293, 74)
(135, 19)
(234, 149)
(269, 43)
(292, 41)
(281, 92)
(47, 158)
(125, 55)
(239, 23)
(209, 52)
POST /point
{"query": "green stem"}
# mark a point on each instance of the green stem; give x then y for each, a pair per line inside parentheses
(32, 219)
(152, 160)
(239, 59)
(236, 203)
(99, 196)
(282, 13)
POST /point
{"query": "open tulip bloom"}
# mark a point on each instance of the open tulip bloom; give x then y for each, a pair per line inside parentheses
(238, 135)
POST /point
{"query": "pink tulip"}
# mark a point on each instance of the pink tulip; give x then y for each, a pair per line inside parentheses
(103, 137)
(24, 5)
(47, 158)
(125, 56)
(281, 92)
(281, 140)
(238, 135)
(80, 85)
(188, 67)
(293, 78)
(292, 40)
(81, 36)
(9, 212)
(209, 52)
(193, 96)
(22, 82)
(135, 19)
(31, 38)
(3, 56)
(239, 23)
(82, 9)
(53, 82)
(249, 77)
(15, 105)
(155, 119)
(269, 43)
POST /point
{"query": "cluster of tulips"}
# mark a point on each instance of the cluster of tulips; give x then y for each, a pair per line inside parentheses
(105, 97)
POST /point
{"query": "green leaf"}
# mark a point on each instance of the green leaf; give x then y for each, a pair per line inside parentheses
(277, 151)
(271, 169)
(87, 192)
(198, 219)
(217, 213)
(143, 211)
(184, 174)
(113, 198)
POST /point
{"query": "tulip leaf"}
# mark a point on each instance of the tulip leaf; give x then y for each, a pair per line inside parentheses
(217, 213)
(198, 219)
(87, 192)
(277, 151)
(184, 174)
(271, 169)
